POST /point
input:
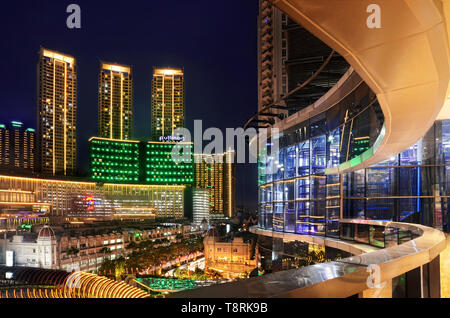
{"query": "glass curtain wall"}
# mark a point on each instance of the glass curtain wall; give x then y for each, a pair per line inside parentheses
(295, 195)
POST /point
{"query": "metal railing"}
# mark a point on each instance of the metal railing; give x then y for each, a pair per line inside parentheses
(341, 278)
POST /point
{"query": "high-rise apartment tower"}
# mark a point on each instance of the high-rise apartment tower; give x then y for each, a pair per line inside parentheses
(272, 54)
(167, 102)
(115, 102)
(17, 147)
(56, 113)
(216, 173)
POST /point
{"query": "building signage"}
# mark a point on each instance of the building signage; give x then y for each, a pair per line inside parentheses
(171, 138)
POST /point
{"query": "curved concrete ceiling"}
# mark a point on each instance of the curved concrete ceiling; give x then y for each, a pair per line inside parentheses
(405, 62)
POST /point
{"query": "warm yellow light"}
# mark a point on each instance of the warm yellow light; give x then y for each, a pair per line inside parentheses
(133, 214)
(116, 68)
(146, 186)
(15, 191)
(58, 56)
(112, 139)
(168, 71)
(47, 180)
(24, 203)
(138, 186)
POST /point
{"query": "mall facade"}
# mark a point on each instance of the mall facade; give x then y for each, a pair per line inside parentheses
(297, 195)
(353, 151)
(31, 198)
(326, 121)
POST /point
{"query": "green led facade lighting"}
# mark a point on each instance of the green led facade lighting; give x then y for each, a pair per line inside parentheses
(128, 161)
(114, 161)
(167, 284)
(160, 168)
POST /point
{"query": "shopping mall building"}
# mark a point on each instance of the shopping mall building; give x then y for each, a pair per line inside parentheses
(28, 198)
(359, 132)
(357, 155)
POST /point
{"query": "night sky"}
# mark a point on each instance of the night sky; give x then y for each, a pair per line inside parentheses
(215, 42)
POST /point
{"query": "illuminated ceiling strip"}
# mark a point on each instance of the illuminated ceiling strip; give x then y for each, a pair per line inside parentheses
(114, 291)
(93, 288)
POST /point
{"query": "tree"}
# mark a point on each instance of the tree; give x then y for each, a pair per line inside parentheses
(72, 251)
(132, 245)
(107, 268)
(105, 250)
(214, 274)
(119, 267)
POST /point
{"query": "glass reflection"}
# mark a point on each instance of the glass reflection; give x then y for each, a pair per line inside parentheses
(303, 159)
(413, 186)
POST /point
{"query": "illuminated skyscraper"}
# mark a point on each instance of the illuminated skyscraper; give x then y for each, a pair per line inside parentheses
(17, 147)
(167, 102)
(217, 174)
(56, 113)
(4, 146)
(285, 62)
(115, 102)
(272, 54)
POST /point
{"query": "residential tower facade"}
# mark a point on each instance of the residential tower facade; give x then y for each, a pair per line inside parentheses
(17, 147)
(216, 173)
(167, 102)
(115, 102)
(56, 113)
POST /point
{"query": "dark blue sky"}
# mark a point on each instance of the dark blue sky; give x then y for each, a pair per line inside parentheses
(215, 42)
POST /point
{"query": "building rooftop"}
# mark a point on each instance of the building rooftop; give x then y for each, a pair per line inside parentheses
(46, 232)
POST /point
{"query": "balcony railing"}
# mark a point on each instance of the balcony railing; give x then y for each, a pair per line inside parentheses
(349, 276)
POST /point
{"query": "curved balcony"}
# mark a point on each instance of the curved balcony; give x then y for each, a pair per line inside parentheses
(413, 249)
(405, 62)
(349, 111)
